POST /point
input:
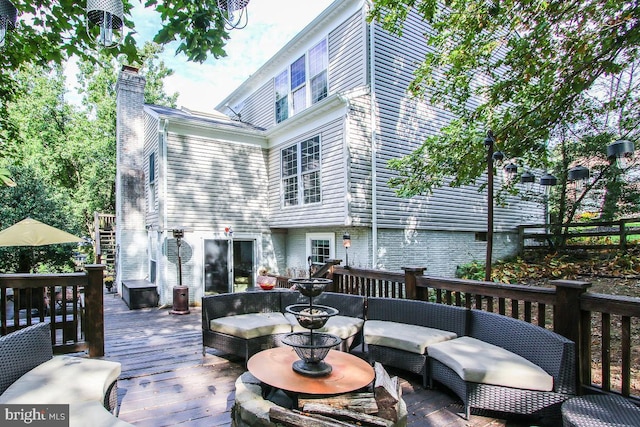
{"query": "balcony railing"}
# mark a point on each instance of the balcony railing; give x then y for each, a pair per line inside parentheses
(72, 303)
(600, 325)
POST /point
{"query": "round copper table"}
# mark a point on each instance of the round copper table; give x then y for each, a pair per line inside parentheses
(273, 367)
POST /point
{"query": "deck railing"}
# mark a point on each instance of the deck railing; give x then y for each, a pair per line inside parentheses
(600, 325)
(71, 302)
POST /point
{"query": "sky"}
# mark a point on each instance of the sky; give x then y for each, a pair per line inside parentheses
(272, 23)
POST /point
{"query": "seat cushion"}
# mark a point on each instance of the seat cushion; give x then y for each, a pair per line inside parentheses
(251, 325)
(64, 379)
(479, 362)
(402, 336)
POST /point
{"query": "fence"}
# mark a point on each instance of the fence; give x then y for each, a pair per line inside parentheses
(601, 325)
(581, 235)
(72, 303)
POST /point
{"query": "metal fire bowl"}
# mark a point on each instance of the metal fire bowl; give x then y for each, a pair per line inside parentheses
(310, 287)
(311, 347)
(311, 317)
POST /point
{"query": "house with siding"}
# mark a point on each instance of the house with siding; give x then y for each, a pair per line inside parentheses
(291, 160)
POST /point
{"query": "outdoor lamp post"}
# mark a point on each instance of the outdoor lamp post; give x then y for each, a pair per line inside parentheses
(180, 293)
(234, 13)
(346, 242)
(8, 17)
(108, 16)
(622, 151)
(489, 142)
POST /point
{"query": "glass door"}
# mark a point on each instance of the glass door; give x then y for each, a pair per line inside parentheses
(216, 266)
(243, 265)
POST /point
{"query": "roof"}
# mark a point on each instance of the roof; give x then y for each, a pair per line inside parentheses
(197, 118)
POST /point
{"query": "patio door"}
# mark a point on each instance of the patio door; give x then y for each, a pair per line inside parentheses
(229, 265)
(216, 266)
(243, 265)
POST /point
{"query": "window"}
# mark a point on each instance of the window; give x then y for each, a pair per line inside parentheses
(320, 247)
(303, 83)
(152, 182)
(301, 173)
(282, 96)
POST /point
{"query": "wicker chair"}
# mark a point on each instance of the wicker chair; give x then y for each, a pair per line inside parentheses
(222, 305)
(420, 313)
(548, 350)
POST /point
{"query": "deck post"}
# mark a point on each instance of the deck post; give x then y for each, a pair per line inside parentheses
(94, 310)
(567, 317)
(410, 274)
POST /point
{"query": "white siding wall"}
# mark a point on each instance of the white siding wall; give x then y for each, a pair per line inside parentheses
(403, 124)
(332, 208)
(348, 55)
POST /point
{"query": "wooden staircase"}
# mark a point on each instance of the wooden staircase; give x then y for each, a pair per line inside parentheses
(105, 241)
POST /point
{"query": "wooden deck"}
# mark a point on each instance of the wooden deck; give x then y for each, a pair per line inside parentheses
(166, 381)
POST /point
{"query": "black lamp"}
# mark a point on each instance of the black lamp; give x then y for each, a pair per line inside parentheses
(622, 151)
(346, 242)
(105, 22)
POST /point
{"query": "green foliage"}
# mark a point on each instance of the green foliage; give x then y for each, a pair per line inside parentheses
(532, 72)
(473, 270)
(32, 197)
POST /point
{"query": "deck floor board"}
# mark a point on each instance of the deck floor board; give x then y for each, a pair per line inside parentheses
(166, 381)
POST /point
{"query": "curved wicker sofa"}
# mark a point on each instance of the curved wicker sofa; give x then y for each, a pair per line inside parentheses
(31, 374)
(245, 323)
(490, 361)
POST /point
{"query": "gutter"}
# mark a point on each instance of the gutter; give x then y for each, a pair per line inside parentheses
(374, 148)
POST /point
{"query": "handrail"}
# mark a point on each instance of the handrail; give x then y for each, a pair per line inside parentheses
(71, 302)
(566, 308)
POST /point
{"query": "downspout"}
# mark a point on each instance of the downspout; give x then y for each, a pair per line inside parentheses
(162, 208)
(374, 148)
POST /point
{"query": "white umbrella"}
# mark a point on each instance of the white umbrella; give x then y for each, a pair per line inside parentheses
(30, 232)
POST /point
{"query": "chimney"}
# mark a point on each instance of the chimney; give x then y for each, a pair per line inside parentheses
(131, 235)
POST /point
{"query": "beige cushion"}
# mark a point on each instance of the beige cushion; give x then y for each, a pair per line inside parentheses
(251, 325)
(93, 414)
(63, 379)
(342, 326)
(411, 338)
(479, 362)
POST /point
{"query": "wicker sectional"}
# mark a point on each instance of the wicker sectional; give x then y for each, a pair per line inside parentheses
(31, 374)
(399, 333)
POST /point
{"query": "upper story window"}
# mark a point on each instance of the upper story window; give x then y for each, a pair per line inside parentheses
(303, 83)
(152, 182)
(301, 173)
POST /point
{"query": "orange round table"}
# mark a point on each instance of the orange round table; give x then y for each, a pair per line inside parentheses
(273, 367)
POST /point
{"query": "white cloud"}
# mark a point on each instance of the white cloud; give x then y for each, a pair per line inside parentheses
(272, 23)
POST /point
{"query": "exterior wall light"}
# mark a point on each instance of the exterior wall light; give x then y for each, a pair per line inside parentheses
(346, 242)
(8, 17)
(105, 22)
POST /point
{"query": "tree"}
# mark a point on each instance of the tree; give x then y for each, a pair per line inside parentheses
(524, 69)
(52, 31)
(72, 148)
(32, 197)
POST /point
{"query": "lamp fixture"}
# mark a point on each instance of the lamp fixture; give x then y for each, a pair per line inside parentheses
(622, 151)
(527, 178)
(8, 18)
(346, 242)
(547, 181)
(105, 22)
(511, 170)
(234, 13)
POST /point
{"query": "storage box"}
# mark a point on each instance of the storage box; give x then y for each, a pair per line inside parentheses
(139, 294)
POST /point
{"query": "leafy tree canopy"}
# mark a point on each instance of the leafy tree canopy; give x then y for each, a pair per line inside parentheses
(525, 69)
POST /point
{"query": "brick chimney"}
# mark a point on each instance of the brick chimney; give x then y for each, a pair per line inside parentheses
(131, 235)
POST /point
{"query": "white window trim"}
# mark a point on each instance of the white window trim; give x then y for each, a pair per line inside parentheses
(331, 237)
(299, 174)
